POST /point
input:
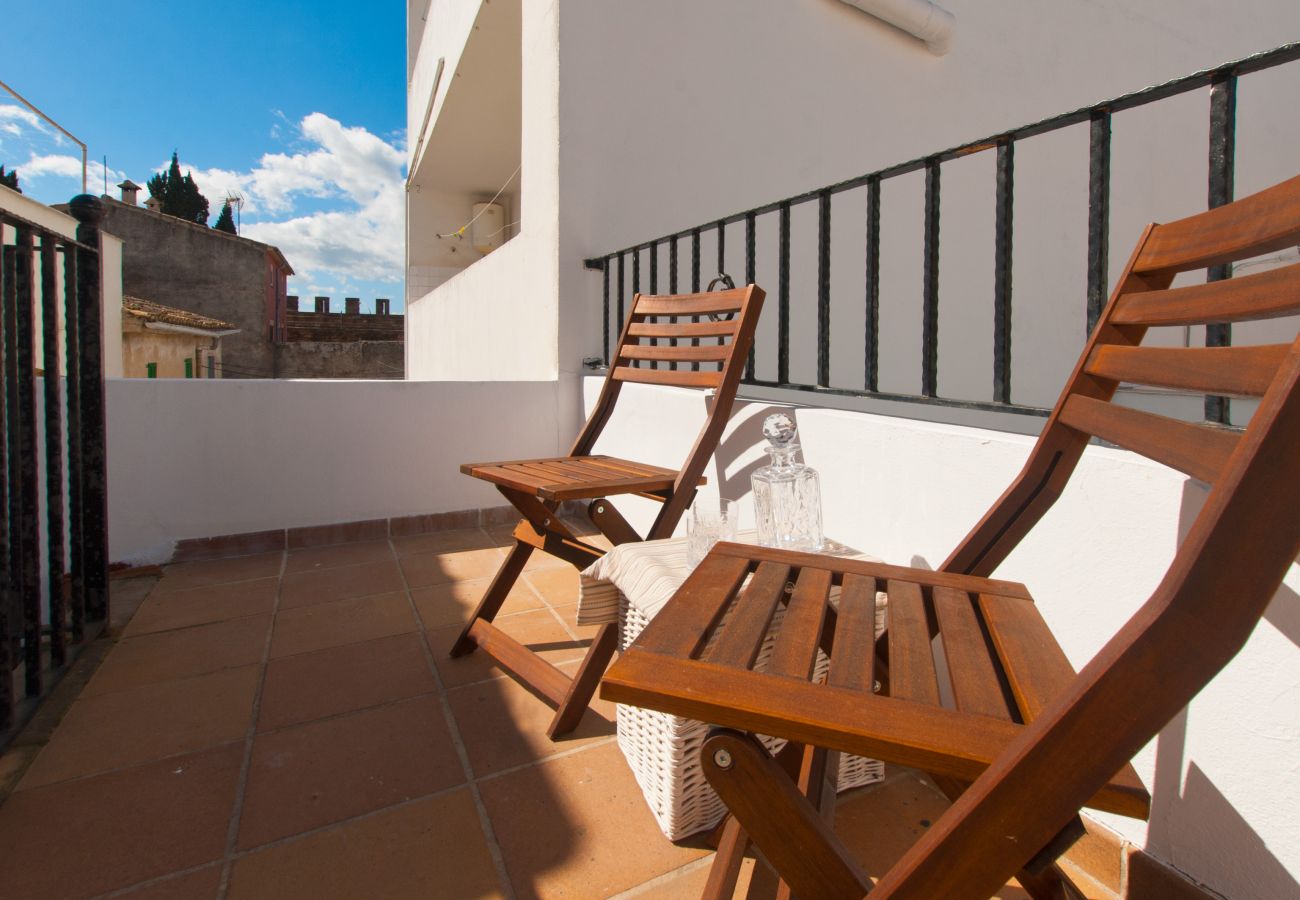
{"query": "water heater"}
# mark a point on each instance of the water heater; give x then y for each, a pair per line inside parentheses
(488, 230)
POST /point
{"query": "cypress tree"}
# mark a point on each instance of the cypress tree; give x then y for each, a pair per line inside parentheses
(226, 221)
(179, 194)
(10, 179)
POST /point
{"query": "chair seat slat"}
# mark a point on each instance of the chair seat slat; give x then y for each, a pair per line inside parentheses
(795, 651)
(587, 490)
(751, 614)
(630, 467)
(1264, 295)
(1239, 371)
(1036, 667)
(511, 476)
(911, 662)
(720, 328)
(853, 657)
(705, 353)
(698, 606)
(679, 378)
(1034, 663)
(1197, 450)
(976, 687)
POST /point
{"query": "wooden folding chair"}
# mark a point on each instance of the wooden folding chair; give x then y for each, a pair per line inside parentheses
(1026, 742)
(696, 340)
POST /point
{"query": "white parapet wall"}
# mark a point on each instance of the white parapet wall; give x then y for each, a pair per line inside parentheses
(1223, 776)
(191, 458)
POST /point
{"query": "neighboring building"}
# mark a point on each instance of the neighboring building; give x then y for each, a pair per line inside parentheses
(164, 342)
(348, 344)
(200, 270)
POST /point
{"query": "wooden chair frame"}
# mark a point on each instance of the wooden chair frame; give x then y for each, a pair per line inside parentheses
(1027, 742)
(700, 330)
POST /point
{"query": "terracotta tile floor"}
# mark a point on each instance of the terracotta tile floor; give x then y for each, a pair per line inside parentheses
(288, 725)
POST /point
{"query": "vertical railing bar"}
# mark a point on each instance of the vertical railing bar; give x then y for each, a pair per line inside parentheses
(72, 357)
(94, 495)
(604, 318)
(672, 288)
(654, 289)
(750, 277)
(29, 512)
(695, 285)
(930, 284)
(824, 289)
(622, 300)
(636, 289)
(872, 325)
(9, 614)
(53, 450)
(1098, 215)
(722, 269)
(1002, 254)
(1223, 141)
(783, 297)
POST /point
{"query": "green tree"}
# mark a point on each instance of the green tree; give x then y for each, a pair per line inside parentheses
(226, 221)
(179, 194)
(10, 179)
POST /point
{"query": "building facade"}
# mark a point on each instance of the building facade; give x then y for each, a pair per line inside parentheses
(197, 269)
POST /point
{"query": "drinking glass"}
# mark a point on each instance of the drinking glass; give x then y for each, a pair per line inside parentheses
(712, 519)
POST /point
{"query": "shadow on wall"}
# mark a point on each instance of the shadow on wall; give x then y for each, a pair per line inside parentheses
(1192, 812)
(747, 435)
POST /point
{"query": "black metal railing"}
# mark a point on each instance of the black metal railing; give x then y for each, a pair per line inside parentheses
(45, 616)
(1222, 82)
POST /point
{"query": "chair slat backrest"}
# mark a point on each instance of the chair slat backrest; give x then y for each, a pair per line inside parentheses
(1256, 225)
(1225, 572)
(682, 340)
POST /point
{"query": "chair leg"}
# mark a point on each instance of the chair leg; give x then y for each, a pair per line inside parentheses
(593, 666)
(496, 594)
(787, 828)
(726, 863)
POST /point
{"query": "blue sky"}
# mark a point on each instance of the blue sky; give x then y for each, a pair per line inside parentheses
(299, 106)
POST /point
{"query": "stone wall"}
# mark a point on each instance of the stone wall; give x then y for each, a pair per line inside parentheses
(340, 359)
(348, 326)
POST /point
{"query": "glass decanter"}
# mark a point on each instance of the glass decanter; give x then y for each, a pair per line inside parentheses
(787, 494)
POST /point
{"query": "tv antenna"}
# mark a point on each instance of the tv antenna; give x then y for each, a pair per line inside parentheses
(236, 199)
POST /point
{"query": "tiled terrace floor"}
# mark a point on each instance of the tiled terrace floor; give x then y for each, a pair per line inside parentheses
(289, 725)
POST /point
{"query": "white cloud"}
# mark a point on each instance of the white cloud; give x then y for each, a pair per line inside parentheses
(357, 170)
(11, 115)
(62, 165)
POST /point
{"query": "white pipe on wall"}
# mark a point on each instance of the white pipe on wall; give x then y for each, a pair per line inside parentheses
(927, 21)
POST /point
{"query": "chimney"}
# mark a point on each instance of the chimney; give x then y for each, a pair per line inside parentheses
(381, 306)
(322, 304)
(129, 191)
(291, 302)
(154, 204)
(352, 306)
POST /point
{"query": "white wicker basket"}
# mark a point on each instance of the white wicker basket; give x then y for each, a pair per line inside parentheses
(664, 750)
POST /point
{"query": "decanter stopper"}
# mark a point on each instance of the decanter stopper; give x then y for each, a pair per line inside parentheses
(787, 494)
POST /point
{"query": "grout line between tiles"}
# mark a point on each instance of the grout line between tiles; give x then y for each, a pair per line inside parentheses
(241, 785)
(665, 878)
(453, 730)
(542, 760)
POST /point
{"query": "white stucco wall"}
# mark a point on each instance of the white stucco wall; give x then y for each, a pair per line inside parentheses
(197, 458)
(498, 319)
(1223, 777)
